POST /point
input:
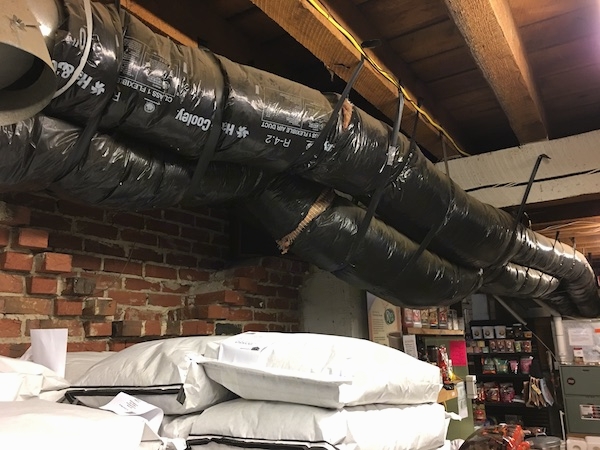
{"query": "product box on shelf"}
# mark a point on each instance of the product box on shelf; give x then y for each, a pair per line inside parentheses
(383, 318)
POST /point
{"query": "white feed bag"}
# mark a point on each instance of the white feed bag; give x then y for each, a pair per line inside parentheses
(320, 370)
(164, 373)
(79, 363)
(38, 424)
(370, 427)
(24, 380)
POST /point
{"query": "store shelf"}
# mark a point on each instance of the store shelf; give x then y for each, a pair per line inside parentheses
(514, 354)
(505, 405)
(504, 376)
(435, 332)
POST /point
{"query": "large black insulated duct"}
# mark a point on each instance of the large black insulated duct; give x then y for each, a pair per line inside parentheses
(193, 104)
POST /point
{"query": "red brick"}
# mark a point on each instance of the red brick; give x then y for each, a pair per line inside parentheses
(208, 250)
(13, 350)
(96, 329)
(193, 275)
(51, 221)
(11, 283)
(100, 306)
(173, 243)
(276, 327)
(164, 272)
(209, 224)
(54, 262)
(240, 314)
(65, 241)
(243, 284)
(87, 346)
(136, 284)
(41, 285)
(286, 292)
(139, 237)
(96, 229)
(4, 237)
(127, 220)
(106, 281)
(63, 307)
(79, 210)
(225, 296)
(136, 313)
(267, 291)
(22, 262)
(103, 248)
(256, 327)
(152, 328)
(10, 328)
(87, 262)
(27, 305)
(175, 288)
(282, 279)
(122, 266)
(221, 239)
(128, 328)
(178, 259)
(197, 327)
(146, 255)
(162, 227)
(166, 300)
(32, 238)
(156, 213)
(278, 303)
(265, 316)
(128, 297)
(14, 214)
(254, 272)
(255, 302)
(117, 346)
(174, 215)
(73, 325)
(212, 312)
(195, 234)
(287, 317)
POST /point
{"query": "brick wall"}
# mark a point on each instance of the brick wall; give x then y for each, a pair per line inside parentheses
(114, 278)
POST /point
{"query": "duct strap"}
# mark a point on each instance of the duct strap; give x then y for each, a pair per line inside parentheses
(322, 202)
(215, 130)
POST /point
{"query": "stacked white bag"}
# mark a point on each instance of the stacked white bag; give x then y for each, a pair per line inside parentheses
(317, 391)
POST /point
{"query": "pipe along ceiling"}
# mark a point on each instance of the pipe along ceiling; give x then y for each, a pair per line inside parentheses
(145, 113)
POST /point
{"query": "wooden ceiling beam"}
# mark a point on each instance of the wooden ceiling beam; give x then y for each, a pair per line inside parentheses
(303, 22)
(492, 36)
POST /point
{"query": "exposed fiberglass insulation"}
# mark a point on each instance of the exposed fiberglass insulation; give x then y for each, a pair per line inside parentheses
(161, 107)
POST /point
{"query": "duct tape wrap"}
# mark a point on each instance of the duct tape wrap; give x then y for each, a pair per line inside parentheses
(380, 263)
(518, 281)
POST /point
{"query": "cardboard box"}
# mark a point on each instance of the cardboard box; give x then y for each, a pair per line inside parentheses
(383, 318)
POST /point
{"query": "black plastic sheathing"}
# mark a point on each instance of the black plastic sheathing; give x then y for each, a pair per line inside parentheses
(112, 173)
(380, 264)
(518, 281)
(98, 79)
(167, 96)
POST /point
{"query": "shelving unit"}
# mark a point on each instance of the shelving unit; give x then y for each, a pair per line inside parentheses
(434, 332)
(505, 411)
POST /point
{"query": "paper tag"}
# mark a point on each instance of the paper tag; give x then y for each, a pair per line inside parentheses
(126, 405)
(247, 348)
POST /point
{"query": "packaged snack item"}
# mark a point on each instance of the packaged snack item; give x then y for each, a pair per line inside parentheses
(433, 318)
(501, 345)
(507, 392)
(525, 364)
(513, 366)
(444, 365)
(443, 317)
(501, 366)
(424, 318)
(407, 315)
(476, 332)
(518, 346)
(492, 392)
(526, 346)
(493, 347)
(488, 366)
(416, 320)
(510, 345)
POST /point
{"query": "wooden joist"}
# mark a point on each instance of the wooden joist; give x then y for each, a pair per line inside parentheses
(491, 34)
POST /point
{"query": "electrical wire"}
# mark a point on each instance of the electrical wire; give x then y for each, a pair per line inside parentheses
(323, 11)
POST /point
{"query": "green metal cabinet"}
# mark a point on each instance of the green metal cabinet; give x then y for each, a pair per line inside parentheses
(581, 393)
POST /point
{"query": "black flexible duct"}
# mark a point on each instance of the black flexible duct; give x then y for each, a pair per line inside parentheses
(167, 96)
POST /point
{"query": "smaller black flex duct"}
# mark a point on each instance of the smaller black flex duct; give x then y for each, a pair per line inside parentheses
(383, 264)
(112, 173)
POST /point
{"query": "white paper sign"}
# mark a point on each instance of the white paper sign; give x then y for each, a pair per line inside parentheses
(581, 337)
(49, 348)
(126, 405)
(410, 345)
(461, 395)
